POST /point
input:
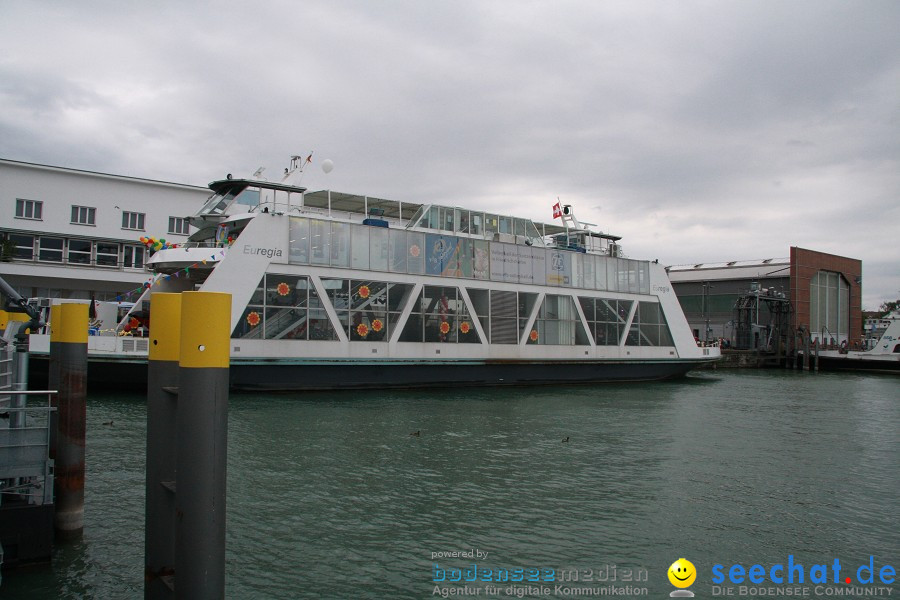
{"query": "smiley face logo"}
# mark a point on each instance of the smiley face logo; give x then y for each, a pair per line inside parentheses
(682, 573)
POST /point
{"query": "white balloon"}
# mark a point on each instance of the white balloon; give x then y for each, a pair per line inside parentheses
(327, 165)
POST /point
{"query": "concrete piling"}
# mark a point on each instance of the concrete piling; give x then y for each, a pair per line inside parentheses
(162, 389)
(70, 333)
(201, 443)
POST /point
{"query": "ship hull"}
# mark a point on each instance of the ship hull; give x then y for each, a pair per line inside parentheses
(263, 376)
(288, 375)
(872, 365)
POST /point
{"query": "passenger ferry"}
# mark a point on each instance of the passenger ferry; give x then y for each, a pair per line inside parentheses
(334, 290)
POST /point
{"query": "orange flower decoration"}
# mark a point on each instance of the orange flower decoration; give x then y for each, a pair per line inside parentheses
(362, 330)
(364, 291)
(464, 327)
(533, 336)
(445, 327)
(283, 289)
(253, 319)
(377, 325)
(414, 250)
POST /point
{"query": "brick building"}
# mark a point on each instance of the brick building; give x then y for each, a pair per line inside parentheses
(824, 291)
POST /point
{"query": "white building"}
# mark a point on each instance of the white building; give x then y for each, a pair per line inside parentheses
(74, 234)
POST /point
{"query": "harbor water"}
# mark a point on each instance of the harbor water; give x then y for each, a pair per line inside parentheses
(369, 494)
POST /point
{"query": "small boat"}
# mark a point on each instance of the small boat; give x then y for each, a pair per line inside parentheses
(884, 357)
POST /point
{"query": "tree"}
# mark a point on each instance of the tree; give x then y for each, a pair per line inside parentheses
(890, 306)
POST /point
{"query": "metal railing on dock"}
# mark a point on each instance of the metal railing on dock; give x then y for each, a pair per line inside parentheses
(26, 471)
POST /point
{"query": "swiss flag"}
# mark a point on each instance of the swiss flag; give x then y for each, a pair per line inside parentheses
(557, 211)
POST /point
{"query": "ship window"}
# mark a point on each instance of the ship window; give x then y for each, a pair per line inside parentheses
(416, 257)
(250, 326)
(481, 305)
(378, 249)
(439, 315)
(649, 327)
(491, 224)
(287, 300)
(477, 223)
(606, 318)
(319, 241)
(340, 244)
(359, 247)
(589, 281)
(299, 240)
(285, 307)
(558, 323)
(462, 220)
(368, 311)
(527, 301)
(398, 250)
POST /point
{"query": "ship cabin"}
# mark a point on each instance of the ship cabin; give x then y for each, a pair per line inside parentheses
(235, 201)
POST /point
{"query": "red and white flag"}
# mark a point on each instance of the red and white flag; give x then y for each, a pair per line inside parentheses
(557, 211)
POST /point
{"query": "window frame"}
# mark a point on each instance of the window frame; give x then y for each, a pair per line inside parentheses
(179, 226)
(36, 206)
(133, 221)
(83, 215)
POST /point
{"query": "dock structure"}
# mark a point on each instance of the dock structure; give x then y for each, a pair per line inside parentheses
(26, 470)
(68, 351)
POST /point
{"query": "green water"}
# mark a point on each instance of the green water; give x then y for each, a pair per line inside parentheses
(329, 496)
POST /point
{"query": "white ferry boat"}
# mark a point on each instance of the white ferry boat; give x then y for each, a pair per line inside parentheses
(884, 357)
(334, 290)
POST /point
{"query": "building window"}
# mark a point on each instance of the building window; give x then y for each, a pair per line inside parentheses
(79, 252)
(24, 245)
(134, 257)
(29, 209)
(50, 249)
(107, 254)
(133, 220)
(829, 307)
(83, 215)
(178, 225)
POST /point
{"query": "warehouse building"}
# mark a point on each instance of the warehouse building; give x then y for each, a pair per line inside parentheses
(751, 303)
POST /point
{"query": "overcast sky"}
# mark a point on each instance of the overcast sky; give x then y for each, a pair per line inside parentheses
(699, 131)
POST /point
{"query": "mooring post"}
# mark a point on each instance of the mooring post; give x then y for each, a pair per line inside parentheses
(816, 363)
(202, 424)
(162, 390)
(53, 376)
(71, 334)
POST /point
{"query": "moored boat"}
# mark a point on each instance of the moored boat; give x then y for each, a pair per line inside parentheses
(335, 290)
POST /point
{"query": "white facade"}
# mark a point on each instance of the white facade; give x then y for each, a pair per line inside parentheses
(77, 233)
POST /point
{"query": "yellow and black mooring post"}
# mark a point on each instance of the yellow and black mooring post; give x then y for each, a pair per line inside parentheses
(69, 335)
(162, 395)
(201, 444)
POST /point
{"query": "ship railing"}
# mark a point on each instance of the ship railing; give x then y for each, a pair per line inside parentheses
(26, 471)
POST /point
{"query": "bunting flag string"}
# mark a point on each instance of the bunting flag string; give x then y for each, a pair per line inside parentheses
(150, 283)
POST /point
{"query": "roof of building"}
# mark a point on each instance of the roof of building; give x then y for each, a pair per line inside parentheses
(101, 175)
(736, 269)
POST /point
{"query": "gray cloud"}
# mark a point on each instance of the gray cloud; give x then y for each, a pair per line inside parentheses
(703, 131)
